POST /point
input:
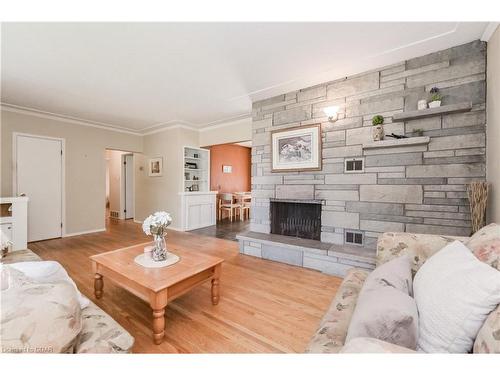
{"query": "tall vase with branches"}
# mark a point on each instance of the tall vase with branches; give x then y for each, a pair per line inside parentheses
(477, 192)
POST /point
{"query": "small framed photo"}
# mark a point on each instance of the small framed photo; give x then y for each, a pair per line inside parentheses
(296, 149)
(227, 169)
(155, 167)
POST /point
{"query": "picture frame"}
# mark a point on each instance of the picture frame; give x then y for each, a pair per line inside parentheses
(155, 167)
(296, 149)
(227, 169)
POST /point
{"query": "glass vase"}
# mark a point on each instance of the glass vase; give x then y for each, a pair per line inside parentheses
(159, 248)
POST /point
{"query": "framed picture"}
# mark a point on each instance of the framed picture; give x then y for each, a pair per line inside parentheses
(296, 149)
(227, 169)
(155, 167)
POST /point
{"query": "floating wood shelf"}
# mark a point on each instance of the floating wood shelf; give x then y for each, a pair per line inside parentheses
(398, 142)
(429, 112)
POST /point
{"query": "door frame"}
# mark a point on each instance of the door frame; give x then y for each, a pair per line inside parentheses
(15, 135)
(123, 184)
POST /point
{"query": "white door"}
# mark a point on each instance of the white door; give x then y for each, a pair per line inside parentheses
(39, 176)
(129, 186)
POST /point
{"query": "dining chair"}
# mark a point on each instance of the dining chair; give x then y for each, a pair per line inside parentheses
(246, 203)
(226, 203)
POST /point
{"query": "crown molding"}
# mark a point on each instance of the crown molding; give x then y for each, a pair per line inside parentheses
(157, 128)
(63, 118)
(223, 123)
(171, 127)
(489, 30)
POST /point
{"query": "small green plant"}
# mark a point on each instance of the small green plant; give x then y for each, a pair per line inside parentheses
(418, 132)
(377, 120)
(435, 95)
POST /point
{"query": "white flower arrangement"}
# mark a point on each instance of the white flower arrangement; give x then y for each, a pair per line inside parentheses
(157, 223)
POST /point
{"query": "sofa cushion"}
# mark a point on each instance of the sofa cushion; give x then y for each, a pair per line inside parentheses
(385, 310)
(101, 334)
(332, 331)
(371, 345)
(488, 338)
(485, 244)
(37, 317)
(454, 292)
(419, 247)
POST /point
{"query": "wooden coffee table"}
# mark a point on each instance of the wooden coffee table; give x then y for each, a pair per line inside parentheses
(158, 286)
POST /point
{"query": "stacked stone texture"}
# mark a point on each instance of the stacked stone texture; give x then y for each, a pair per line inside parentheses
(416, 188)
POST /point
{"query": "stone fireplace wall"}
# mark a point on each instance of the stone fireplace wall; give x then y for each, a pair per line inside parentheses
(414, 188)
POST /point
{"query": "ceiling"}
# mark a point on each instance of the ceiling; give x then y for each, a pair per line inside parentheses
(145, 76)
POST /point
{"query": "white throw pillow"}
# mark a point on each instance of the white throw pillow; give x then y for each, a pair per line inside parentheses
(454, 292)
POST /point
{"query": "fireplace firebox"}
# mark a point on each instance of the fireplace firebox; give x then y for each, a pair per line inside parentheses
(296, 218)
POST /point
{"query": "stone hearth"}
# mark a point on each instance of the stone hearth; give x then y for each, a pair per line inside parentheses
(321, 256)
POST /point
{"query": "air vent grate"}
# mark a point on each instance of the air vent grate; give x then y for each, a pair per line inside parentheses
(354, 237)
(354, 165)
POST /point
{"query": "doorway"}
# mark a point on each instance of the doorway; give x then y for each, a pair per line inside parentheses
(39, 174)
(230, 175)
(120, 194)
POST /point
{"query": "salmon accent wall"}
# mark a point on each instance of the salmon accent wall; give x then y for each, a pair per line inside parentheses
(239, 158)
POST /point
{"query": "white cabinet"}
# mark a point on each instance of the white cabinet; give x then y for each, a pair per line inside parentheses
(198, 209)
(15, 224)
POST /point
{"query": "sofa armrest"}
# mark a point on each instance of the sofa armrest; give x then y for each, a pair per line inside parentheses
(371, 345)
(488, 338)
(331, 334)
(101, 334)
(418, 246)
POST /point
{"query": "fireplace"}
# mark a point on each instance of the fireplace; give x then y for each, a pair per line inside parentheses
(296, 218)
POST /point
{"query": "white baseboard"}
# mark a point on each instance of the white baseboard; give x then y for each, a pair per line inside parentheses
(84, 232)
(138, 221)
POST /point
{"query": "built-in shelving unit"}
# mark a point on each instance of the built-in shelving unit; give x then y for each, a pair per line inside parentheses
(196, 169)
(429, 112)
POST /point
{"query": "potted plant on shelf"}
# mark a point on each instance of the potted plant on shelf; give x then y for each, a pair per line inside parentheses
(378, 129)
(436, 98)
(418, 132)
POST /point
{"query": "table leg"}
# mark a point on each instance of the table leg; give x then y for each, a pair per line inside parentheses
(215, 285)
(98, 285)
(158, 325)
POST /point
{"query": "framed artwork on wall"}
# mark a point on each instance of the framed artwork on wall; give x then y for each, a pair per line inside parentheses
(155, 167)
(296, 149)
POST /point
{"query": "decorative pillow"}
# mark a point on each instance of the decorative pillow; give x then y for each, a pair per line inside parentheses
(385, 310)
(454, 292)
(488, 338)
(37, 317)
(485, 244)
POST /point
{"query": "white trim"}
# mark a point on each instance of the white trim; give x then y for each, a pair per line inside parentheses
(68, 119)
(489, 30)
(84, 232)
(63, 171)
(171, 127)
(156, 128)
(223, 123)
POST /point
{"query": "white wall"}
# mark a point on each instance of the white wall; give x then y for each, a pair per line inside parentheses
(162, 193)
(228, 132)
(85, 163)
(493, 125)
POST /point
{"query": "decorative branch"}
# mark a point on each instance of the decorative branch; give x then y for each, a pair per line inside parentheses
(477, 192)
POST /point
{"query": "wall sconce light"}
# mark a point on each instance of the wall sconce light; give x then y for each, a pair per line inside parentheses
(332, 113)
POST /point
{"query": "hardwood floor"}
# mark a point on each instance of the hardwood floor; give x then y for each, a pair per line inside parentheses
(264, 306)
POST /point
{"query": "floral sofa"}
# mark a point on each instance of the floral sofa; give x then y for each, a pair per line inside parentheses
(331, 334)
(98, 332)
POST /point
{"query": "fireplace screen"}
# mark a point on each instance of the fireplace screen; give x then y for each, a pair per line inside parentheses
(296, 218)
